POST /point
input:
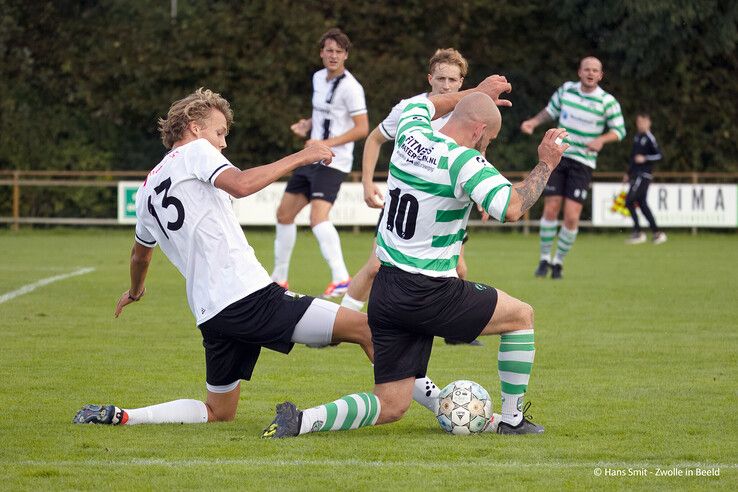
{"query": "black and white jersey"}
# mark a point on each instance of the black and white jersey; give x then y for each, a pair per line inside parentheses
(193, 222)
(644, 144)
(335, 103)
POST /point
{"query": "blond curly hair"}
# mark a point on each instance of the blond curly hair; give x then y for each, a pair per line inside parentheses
(449, 56)
(195, 107)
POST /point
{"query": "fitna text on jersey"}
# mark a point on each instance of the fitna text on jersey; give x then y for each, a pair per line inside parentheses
(416, 151)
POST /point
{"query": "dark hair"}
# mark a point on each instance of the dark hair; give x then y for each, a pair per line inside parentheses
(336, 35)
(644, 114)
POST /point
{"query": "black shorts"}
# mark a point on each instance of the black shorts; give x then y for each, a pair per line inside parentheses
(570, 179)
(407, 310)
(233, 338)
(316, 182)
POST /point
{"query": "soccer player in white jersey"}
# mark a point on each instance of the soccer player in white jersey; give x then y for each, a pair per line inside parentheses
(435, 176)
(184, 207)
(339, 118)
(593, 118)
(446, 71)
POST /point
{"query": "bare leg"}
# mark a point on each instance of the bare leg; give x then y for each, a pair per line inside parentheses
(222, 406)
(362, 282)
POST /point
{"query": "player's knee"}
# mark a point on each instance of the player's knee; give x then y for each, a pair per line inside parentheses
(283, 216)
(216, 414)
(526, 315)
(393, 409)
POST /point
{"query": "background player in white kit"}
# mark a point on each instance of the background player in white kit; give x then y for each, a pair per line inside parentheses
(339, 118)
(184, 207)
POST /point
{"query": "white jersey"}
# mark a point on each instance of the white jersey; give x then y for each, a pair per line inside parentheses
(430, 189)
(335, 103)
(388, 127)
(585, 115)
(193, 222)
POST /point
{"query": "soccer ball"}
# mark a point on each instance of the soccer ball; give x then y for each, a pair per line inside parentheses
(464, 408)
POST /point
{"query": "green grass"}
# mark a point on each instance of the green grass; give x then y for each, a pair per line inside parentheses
(636, 366)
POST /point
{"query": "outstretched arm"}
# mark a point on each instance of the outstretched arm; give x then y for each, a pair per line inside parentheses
(526, 193)
(247, 182)
(140, 260)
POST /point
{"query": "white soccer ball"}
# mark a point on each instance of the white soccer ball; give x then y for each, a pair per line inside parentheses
(464, 408)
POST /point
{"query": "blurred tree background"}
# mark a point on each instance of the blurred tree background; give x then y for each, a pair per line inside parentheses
(82, 83)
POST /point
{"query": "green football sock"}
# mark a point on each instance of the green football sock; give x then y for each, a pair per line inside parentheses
(349, 412)
(514, 363)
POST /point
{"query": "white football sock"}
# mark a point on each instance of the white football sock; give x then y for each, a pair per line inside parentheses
(172, 412)
(330, 246)
(426, 393)
(351, 303)
(284, 242)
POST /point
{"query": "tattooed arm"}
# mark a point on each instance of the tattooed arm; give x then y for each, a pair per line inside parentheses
(524, 194)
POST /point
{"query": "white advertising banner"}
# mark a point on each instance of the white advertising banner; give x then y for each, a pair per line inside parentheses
(349, 208)
(673, 205)
(261, 208)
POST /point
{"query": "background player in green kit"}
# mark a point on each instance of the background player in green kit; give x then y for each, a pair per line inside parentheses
(586, 111)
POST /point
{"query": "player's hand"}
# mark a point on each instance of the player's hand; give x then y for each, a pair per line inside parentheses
(316, 153)
(639, 158)
(373, 196)
(494, 86)
(485, 215)
(552, 147)
(528, 126)
(125, 299)
(301, 128)
(595, 145)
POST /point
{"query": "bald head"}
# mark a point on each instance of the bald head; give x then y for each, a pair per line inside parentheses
(477, 108)
(590, 73)
(590, 61)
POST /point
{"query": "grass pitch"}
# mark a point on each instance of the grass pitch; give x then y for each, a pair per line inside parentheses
(635, 375)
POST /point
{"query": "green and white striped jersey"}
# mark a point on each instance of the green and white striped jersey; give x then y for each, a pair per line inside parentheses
(585, 115)
(430, 189)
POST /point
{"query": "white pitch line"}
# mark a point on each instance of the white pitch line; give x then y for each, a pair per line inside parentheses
(367, 463)
(46, 281)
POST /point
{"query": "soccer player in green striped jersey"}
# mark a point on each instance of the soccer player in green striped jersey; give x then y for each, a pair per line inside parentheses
(446, 71)
(593, 118)
(435, 177)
